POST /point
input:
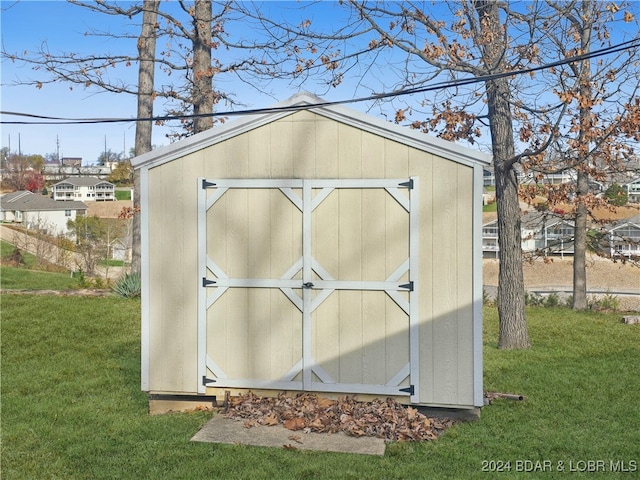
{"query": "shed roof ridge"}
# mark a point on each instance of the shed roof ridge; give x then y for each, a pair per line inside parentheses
(340, 113)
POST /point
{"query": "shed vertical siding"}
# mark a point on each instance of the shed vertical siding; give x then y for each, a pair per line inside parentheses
(464, 286)
(444, 282)
(354, 243)
(172, 229)
(166, 252)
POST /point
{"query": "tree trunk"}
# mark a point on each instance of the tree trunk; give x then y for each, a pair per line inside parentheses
(146, 52)
(580, 246)
(202, 76)
(582, 185)
(514, 333)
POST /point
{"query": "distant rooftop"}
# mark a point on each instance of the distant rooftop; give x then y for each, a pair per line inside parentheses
(26, 201)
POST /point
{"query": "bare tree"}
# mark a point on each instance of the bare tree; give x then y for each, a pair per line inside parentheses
(403, 48)
(202, 74)
(513, 324)
(598, 103)
(190, 31)
(143, 142)
(37, 239)
(462, 40)
(22, 172)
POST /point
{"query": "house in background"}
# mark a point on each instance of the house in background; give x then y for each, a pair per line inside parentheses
(633, 190)
(71, 161)
(53, 172)
(545, 232)
(623, 238)
(84, 189)
(36, 211)
(548, 233)
(490, 239)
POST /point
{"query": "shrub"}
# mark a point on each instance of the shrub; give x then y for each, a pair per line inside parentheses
(606, 303)
(537, 300)
(128, 286)
(552, 300)
(569, 301)
(617, 195)
(82, 280)
(533, 299)
(14, 259)
(486, 298)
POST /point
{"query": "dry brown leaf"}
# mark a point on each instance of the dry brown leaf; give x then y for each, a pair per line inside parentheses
(295, 424)
(308, 412)
(411, 413)
(270, 419)
(325, 403)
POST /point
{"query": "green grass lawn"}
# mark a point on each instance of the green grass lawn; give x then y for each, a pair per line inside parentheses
(72, 406)
(7, 249)
(25, 278)
(123, 194)
(111, 263)
(492, 207)
(22, 278)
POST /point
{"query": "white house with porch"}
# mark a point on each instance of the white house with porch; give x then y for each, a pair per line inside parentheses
(633, 191)
(545, 232)
(84, 189)
(624, 238)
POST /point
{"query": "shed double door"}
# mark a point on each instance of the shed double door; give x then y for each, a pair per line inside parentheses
(308, 285)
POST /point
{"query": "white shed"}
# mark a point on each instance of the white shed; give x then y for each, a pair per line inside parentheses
(313, 249)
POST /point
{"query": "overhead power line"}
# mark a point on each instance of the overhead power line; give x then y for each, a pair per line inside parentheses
(49, 120)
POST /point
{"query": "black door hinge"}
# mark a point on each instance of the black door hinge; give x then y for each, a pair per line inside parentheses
(206, 184)
(410, 389)
(206, 380)
(206, 282)
(408, 286)
(408, 184)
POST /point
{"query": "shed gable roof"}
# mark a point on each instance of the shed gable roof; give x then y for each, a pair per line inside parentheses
(307, 101)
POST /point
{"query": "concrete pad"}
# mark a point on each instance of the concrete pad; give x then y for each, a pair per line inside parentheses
(225, 430)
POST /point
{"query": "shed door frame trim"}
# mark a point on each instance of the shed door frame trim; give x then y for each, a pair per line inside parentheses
(307, 304)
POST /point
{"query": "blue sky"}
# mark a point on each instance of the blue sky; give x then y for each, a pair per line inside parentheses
(26, 24)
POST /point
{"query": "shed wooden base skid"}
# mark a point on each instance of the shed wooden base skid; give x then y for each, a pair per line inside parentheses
(162, 404)
(215, 397)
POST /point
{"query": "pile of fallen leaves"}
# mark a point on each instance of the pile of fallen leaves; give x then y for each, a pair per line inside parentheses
(309, 413)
